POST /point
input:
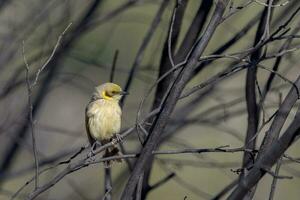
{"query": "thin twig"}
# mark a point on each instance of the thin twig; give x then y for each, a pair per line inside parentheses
(113, 66)
(272, 5)
(145, 43)
(275, 175)
(162, 181)
(274, 182)
(223, 149)
(30, 110)
(107, 183)
(30, 87)
(60, 37)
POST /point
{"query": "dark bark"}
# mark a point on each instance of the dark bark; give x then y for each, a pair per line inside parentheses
(267, 160)
(141, 50)
(162, 87)
(171, 100)
(252, 106)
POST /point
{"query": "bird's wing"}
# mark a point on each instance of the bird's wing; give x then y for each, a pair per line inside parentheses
(91, 139)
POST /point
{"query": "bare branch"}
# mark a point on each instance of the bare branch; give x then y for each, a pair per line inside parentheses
(274, 182)
(171, 100)
(146, 41)
(30, 87)
(268, 159)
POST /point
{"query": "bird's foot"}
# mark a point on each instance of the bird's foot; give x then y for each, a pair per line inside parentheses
(94, 146)
(91, 156)
(92, 153)
(118, 139)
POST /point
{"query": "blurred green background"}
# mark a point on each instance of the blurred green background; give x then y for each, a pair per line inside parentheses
(60, 118)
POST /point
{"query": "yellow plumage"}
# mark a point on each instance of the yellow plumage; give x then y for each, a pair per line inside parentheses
(103, 115)
(103, 119)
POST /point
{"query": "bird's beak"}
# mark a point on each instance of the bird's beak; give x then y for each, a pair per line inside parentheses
(124, 93)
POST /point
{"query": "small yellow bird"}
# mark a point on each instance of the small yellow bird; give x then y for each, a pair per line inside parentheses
(103, 117)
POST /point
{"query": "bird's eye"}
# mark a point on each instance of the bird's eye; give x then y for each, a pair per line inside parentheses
(113, 93)
(108, 94)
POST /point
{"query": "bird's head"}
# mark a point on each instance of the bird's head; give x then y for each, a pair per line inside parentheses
(109, 91)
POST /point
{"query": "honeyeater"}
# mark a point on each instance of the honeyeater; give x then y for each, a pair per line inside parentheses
(103, 117)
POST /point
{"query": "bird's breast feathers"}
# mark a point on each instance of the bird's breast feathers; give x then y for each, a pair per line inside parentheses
(104, 119)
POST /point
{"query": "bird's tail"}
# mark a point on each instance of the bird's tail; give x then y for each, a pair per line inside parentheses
(109, 152)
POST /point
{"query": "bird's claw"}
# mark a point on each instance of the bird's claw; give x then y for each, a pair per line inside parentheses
(118, 139)
(94, 146)
(91, 155)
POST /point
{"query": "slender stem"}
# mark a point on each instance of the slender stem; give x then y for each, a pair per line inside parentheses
(274, 182)
(30, 114)
(107, 183)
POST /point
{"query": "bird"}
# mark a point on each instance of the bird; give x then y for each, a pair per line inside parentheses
(103, 118)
